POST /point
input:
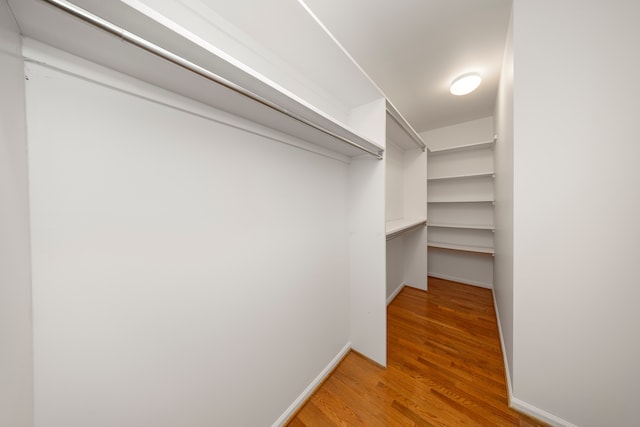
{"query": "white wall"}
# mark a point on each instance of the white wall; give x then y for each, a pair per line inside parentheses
(576, 209)
(395, 266)
(182, 267)
(16, 376)
(394, 210)
(503, 210)
(464, 267)
(394, 182)
(459, 134)
(415, 242)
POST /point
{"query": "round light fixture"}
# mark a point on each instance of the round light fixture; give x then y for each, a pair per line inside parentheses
(465, 83)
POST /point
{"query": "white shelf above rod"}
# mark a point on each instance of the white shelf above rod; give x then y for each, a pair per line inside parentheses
(160, 52)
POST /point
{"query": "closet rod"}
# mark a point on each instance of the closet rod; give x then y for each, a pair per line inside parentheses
(154, 49)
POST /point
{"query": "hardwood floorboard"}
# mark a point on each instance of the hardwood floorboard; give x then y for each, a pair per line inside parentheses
(444, 368)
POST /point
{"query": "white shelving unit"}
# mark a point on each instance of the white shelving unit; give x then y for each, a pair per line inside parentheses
(273, 82)
(460, 199)
(406, 213)
(213, 102)
(228, 75)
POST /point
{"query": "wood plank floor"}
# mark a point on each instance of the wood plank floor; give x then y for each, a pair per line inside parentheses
(445, 368)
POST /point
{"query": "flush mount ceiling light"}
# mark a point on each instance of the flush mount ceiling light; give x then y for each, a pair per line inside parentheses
(465, 83)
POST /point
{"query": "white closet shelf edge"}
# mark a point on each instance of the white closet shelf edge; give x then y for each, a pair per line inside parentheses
(186, 70)
(462, 226)
(489, 174)
(396, 227)
(464, 147)
(462, 201)
(464, 248)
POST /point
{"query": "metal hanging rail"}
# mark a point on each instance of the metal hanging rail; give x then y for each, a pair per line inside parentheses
(154, 49)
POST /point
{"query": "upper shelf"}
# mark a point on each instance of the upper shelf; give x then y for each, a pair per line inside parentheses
(252, 74)
(465, 147)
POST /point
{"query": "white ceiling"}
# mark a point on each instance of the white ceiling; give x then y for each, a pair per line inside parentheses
(413, 49)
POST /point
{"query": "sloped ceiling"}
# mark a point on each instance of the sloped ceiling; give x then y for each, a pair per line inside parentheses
(412, 49)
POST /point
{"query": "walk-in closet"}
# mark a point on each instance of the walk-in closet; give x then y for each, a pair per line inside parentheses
(207, 207)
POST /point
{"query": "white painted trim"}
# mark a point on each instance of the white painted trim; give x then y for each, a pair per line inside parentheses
(504, 348)
(395, 293)
(526, 408)
(46, 56)
(311, 388)
(515, 403)
(461, 280)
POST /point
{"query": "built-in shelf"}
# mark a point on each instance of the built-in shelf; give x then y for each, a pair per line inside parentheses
(198, 70)
(464, 248)
(465, 147)
(462, 201)
(462, 226)
(399, 226)
(463, 176)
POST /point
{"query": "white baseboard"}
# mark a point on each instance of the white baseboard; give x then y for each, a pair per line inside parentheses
(311, 388)
(504, 349)
(395, 293)
(538, 413)
(461, 280)
(515, 403)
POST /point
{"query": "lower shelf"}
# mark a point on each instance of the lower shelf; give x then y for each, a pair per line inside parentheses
(465, 248)
(399, 226)
(462, 226)
(487, 200)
